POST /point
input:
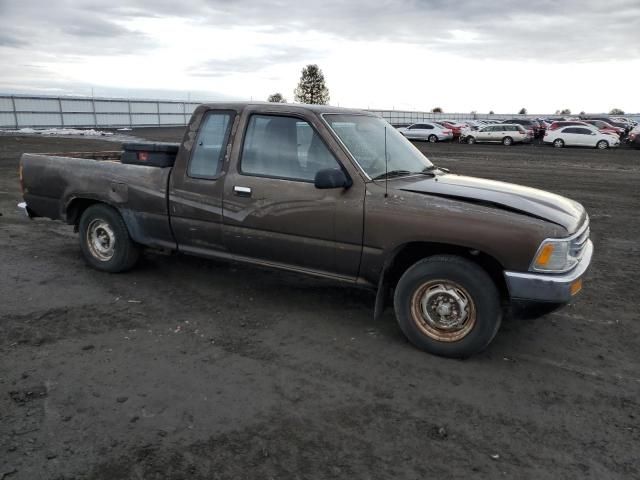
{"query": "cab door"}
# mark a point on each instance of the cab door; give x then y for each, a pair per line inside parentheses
(272, 212)
(196, 184)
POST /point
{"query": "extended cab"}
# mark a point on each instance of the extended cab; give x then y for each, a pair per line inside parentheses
(329, 192)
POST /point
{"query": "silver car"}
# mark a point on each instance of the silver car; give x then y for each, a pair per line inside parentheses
(426, 131)
(504, 133)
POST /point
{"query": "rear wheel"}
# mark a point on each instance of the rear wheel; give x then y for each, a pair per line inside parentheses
(471, 140)
(448, 306)
(602, 145)
(433, 138)
(507, 141)
(558, 143)
(105, 241)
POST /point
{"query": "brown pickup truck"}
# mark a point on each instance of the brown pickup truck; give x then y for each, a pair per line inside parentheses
(329, 192)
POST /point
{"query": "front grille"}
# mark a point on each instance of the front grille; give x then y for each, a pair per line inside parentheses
(579, 241)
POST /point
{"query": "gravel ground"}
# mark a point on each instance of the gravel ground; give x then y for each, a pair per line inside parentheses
(185, 368)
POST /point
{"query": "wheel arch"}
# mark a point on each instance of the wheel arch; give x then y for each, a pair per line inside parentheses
(406, 255)
(77, 206)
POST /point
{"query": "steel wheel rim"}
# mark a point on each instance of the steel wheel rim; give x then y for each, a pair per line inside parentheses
(443, 310)
(101, 240)
(557, 143)
(602, 144)
(507, 141)
(433, 139)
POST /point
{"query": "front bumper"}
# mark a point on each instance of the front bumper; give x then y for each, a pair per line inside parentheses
(548, 287)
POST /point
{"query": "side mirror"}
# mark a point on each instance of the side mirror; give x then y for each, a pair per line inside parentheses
(331, 178)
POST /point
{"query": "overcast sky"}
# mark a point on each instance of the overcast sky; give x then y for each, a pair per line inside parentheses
(460, 55)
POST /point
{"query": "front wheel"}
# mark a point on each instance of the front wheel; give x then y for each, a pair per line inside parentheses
(471, 140)
(558, 143)
(602, 145)
(448, 306)
(433, 138)
(105, 241)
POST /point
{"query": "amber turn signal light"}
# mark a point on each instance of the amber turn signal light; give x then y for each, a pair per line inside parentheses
(545, 255)
(575, 287)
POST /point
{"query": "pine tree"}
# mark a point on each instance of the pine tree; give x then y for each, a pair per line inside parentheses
(311, 88)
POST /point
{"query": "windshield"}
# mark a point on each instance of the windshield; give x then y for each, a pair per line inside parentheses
(364, 137)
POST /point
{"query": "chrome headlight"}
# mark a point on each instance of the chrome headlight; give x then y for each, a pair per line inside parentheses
(558, 255)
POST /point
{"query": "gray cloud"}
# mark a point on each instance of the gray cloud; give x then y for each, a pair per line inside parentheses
(570, 30)
(268, 56)
(546, 30)
(7, 40)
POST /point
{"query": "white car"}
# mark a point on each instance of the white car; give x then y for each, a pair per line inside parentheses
(505, 133)
(579, 136)
(426, 131)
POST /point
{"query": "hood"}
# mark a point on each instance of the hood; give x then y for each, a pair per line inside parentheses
(508, 196)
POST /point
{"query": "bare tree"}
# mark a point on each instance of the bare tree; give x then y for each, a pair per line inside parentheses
(311, 88)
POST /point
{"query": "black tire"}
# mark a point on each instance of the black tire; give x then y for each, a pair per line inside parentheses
(471, 140)
(558, 143)
(433, 138)
(507, 141)
(476, 286)
(117, 253)
(602, 145)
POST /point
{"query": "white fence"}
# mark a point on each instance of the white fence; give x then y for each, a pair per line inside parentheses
(39, 111)
(19, 111)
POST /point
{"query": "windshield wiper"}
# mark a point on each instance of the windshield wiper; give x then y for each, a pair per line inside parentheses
(431, 168)
(392, 173)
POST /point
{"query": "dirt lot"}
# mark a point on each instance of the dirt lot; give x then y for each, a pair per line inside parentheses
(197, 369)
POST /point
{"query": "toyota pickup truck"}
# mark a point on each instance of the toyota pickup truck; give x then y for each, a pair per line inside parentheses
(329, 192)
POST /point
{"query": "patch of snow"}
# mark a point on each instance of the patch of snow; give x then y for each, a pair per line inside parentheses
(125, 129)
(64, 131)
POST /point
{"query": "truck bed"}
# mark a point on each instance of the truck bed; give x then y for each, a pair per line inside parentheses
(59, 185)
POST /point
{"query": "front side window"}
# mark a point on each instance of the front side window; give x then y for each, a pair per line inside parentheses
(364, 136)
(284, 147)
(211, 143)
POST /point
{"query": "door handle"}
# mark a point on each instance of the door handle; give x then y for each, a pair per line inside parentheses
(242, 191)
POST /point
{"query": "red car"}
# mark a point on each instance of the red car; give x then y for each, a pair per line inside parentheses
(605, 127)
(568, 123)
(456, 128)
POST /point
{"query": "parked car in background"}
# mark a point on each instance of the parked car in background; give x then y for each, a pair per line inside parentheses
(455, 127)
(610, 121)
(527, 124)
(431, 132)
(570, 123)
(605, 127)
(634, 137)
(581, 136)
(504, 133)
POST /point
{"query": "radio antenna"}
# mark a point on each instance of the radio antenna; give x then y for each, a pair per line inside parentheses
(386, 165)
